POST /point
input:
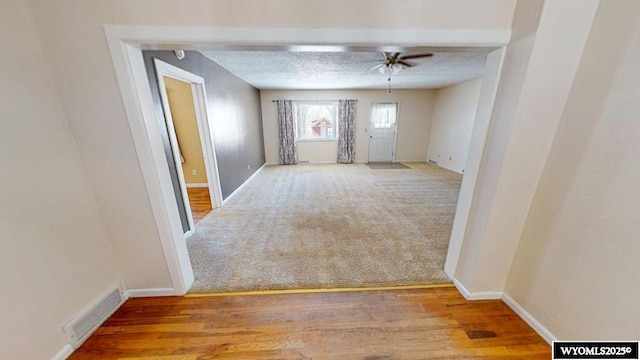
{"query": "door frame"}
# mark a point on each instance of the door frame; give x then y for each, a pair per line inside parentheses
(395, 135)
(127, 41)
(198, 92)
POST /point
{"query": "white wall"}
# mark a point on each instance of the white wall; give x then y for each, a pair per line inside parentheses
(576, 269)
(528, 108)
(454, 112)
(56, 254)
(415, 108)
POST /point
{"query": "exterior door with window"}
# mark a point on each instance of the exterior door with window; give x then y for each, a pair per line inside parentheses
(382, 132)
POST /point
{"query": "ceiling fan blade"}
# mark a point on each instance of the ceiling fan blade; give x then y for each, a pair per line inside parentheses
(394, 57)
(404, 63)
(376, 67)
(386, 56)
(417, 56)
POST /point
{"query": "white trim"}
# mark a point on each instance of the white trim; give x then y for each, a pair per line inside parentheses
(208, 148)
(448, 168)
(197, 185)
(514, 305)
(208, 37)
(151, 292)
(204, 130)
(165, 70)
(63, 353)
(317, 140)
(136, 96)
(307, 162)
(237, 190)
(270, 163)
(529, 319)
(478, 295)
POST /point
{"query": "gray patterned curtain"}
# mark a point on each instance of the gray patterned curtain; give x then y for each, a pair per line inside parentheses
(346, 131)
(288, 148)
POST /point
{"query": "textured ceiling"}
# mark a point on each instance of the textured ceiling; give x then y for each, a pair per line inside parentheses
(346, 70)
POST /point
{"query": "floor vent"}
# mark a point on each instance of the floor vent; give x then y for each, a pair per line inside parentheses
(432, 162)
(80, 327)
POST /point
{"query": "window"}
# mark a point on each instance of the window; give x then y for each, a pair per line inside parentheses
(384, 115)
(316, 119)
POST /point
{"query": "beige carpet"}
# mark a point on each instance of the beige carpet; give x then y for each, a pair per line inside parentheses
(327, 226)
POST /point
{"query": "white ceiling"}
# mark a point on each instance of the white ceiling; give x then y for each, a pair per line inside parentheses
(347, 70)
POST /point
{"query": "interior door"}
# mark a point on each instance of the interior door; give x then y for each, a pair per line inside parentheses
(382, 132)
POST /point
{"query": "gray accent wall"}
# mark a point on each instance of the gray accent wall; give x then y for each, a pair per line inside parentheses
(235, 119)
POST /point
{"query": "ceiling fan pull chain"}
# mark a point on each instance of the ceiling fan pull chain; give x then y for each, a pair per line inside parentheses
(389, 88)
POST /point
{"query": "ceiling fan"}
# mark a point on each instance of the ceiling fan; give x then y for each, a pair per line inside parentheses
(393, 62)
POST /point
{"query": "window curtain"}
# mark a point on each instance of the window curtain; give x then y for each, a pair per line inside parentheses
(287, 131)
(346, 131)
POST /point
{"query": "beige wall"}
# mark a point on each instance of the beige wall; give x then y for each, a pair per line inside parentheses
(74, 42)
(56, 255)
(414, 119)
(183, 112)
(368, 14)
(72, 35)
(454, 112)
(527, 111)
(576, 269)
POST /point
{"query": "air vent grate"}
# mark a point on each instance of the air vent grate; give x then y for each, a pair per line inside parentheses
(80, 327)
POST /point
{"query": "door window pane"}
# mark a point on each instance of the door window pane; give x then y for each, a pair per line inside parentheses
(384, 115)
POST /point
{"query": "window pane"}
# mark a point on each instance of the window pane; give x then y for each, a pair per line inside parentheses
(384, 115)
(316, 120)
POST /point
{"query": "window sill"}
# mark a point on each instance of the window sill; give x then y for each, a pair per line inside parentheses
(317, 140)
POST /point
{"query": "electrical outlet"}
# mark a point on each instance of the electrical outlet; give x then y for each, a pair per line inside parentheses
(249, 167)
(194, 172)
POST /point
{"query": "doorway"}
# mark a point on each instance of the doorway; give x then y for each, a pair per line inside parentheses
(383, 129)
(182, 96)
(126, 44)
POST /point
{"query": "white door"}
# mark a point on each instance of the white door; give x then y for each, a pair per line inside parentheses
(382, 132)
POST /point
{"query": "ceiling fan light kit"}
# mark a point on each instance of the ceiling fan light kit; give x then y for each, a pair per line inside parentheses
(394, 63)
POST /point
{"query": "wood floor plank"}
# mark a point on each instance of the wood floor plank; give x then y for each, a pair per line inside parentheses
(200, 202)
(433, 323)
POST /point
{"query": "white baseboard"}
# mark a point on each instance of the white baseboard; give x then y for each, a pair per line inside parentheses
(150, 292)
(63, 353)
(517, 308)
(529, 319)
(242, 185)
(450, 169)
(478, 295)
(271, 163)
(317, 162)
(197, 185)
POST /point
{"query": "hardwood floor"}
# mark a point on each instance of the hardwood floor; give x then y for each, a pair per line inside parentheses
(200, 203)
(434, 323)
